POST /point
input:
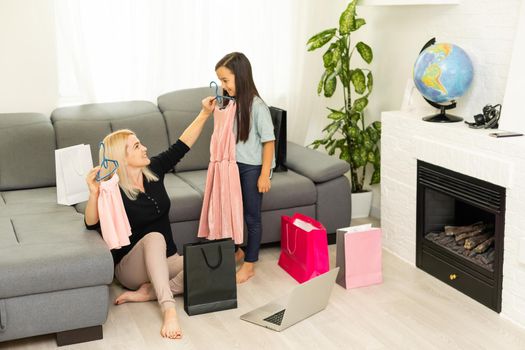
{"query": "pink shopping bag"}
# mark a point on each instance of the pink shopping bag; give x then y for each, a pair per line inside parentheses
(304, 247)
(358, 255)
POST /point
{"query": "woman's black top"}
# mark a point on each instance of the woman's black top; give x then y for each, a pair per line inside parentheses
(149, 212)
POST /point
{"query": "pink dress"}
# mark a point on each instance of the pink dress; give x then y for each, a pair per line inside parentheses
(221, 215)
(114, 222)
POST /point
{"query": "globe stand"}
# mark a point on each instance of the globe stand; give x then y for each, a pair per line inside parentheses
(442, 117)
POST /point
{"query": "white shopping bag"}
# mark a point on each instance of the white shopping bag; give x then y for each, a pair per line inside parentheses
(72, 166)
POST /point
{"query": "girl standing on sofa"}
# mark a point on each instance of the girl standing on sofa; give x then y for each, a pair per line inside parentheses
(254, 149)
(149, 266)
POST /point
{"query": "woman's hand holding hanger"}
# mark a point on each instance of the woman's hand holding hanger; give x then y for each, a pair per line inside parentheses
(93, 184)
(208, 104)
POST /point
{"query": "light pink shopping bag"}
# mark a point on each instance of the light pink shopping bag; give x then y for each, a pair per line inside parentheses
(304, 247)
(358, 255)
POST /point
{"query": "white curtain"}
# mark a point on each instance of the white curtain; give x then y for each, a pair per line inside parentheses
(139, 49)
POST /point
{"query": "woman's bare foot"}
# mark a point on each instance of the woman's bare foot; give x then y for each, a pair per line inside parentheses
(239, 255)
(144, 293)
(246, 272)
(170, 327)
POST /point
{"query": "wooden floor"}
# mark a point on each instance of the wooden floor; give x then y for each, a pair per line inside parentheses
(409, 310)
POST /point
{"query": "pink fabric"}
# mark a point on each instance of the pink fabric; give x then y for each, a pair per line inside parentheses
(304, 254)
(221, 215)
(112, 215)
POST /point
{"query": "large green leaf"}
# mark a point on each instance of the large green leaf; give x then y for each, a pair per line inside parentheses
(358, 80)
(336, 56)
(320, 39)
(354, 116)
(321, 82)
(358, 23)
(346, 21)
(316, 144)
(377, 125)
(377, 154)
(376, 176)
(368, 144)
(365, 51)
(371, 157)
(327, 58)
(329, 85)
(331, 126)
(345, 154)
(369, 81)
(363, 156)
(360, 104)
(336, 115)
(353, 132)
(331, 149)
(373, 134)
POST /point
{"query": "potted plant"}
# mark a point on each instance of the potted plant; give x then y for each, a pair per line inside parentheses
(346, 132)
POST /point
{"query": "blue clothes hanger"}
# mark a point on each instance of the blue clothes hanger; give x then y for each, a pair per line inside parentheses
(105, 164)
(217, 96)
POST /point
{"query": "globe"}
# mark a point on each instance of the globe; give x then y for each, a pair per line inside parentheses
(442, 73)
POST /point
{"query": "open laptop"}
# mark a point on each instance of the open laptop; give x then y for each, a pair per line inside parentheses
(305, 300)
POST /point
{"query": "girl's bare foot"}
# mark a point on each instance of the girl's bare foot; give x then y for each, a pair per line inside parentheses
(239, 255)
(170, 327)
(144, 293)
(246, 272)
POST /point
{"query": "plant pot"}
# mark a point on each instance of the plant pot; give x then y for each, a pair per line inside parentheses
(361, 204)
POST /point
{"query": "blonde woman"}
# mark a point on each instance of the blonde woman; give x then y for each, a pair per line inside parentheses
(150, 266)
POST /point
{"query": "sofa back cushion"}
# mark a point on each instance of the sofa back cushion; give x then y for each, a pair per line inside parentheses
(90, 123)
(180, 108)
(27, 151)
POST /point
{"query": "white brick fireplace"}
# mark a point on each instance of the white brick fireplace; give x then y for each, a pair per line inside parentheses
(501, 161)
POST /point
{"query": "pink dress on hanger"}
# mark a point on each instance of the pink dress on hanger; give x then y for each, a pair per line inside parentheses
(221, 215)
(114, 222)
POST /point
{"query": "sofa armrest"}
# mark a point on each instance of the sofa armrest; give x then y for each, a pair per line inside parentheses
(317, 166)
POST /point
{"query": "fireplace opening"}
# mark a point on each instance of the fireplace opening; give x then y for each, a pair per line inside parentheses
(460, 228)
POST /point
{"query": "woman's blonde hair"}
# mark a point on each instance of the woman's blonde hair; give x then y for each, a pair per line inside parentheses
(115, 148)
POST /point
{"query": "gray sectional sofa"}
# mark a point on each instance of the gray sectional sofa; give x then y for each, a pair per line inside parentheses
(54, 274)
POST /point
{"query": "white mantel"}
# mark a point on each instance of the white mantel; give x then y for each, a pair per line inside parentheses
(405, 139)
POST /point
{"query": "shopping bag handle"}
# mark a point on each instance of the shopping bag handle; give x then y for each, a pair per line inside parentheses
(208, 263)
(287, 241)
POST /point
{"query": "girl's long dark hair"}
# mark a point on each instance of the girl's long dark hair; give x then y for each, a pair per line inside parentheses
(245, 90)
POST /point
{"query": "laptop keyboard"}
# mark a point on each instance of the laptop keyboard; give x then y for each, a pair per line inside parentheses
(276, 318)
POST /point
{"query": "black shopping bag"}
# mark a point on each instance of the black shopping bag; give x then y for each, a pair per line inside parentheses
(279, 128)
(209, 276)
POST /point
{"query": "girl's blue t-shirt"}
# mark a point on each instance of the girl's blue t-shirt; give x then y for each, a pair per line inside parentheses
(261, 130)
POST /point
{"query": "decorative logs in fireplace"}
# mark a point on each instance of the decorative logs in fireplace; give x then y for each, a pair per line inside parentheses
(474, 241)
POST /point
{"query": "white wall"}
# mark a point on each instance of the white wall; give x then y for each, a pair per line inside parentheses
(512, 113)
(28, 73)
(484, 28)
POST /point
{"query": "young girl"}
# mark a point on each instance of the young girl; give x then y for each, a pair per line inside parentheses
(254, 150)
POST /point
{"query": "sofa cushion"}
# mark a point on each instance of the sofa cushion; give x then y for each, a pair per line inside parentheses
(289, 189)
(179, 109)
(90, 123)
(27, 151)
(31, 201)
(48, 252)
(186, 201)
(315, 165)
(196, 179)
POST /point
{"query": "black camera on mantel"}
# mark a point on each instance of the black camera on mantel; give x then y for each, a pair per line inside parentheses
(488, 120)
